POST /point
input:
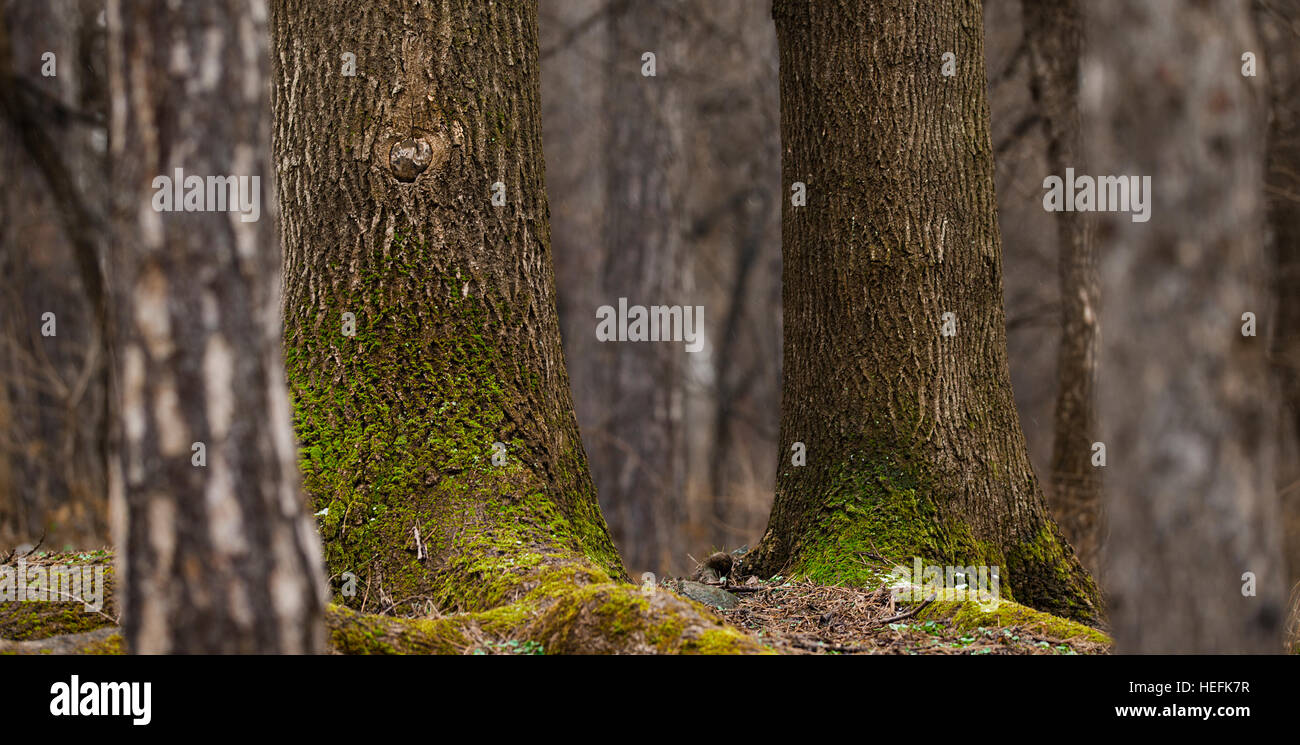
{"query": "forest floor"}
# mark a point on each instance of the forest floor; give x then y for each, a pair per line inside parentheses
(789, 617)
(806, 618)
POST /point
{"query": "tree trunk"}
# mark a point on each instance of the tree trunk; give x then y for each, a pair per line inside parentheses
(422, 343)
(913, 443)
(1188, 402)
(215, 556)
(53, 403)
(1279, 23)
(1054, 34)
(455, 346)
(639, 459)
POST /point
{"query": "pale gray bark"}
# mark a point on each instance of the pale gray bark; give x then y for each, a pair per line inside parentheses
(639, 447)
(221, 557)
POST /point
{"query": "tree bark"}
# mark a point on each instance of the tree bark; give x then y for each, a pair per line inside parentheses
(456, 345)
(1053, 32)
(1188, 403)
(913, 443)
(1279, 23)
(53, 404)
(218, 557)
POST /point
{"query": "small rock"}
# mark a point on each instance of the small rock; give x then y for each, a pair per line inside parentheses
(714, 597)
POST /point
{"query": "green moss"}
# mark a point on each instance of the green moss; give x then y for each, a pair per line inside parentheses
(398, 424)
(32, 619)
(621, 618)
(969, 616)
(110, 645)
(1045, 570)
(363, 633)
(38, 620)
(567, 610)
(881, 505)
(875, 515)
(721, 641)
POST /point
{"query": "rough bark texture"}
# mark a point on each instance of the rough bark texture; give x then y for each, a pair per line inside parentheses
(1054, 37)
(639, 448)
(456, 344)
(53, 403)
(914, 446)
(1189, 408)
(1279, 24)
(222, 557)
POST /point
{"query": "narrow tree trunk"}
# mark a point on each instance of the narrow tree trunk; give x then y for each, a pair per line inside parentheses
(1279, 22)
(218, 557)
(1188, 401)
(913, 442)
(53, 402)
(1054, 34)
(641, 456)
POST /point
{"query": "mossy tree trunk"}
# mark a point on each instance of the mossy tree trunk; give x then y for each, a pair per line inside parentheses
(419, 316)
(216, 552)
(1054, 36)
(422, 337)
(913, 443)
(452, 343)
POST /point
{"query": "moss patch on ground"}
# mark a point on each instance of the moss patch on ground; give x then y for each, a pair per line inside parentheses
(38, 619)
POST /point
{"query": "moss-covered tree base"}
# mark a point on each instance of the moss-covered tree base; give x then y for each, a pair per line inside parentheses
(107, 640)
(880, 512)
(599, 618)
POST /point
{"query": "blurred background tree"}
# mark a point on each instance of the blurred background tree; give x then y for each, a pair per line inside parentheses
(53, 389)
